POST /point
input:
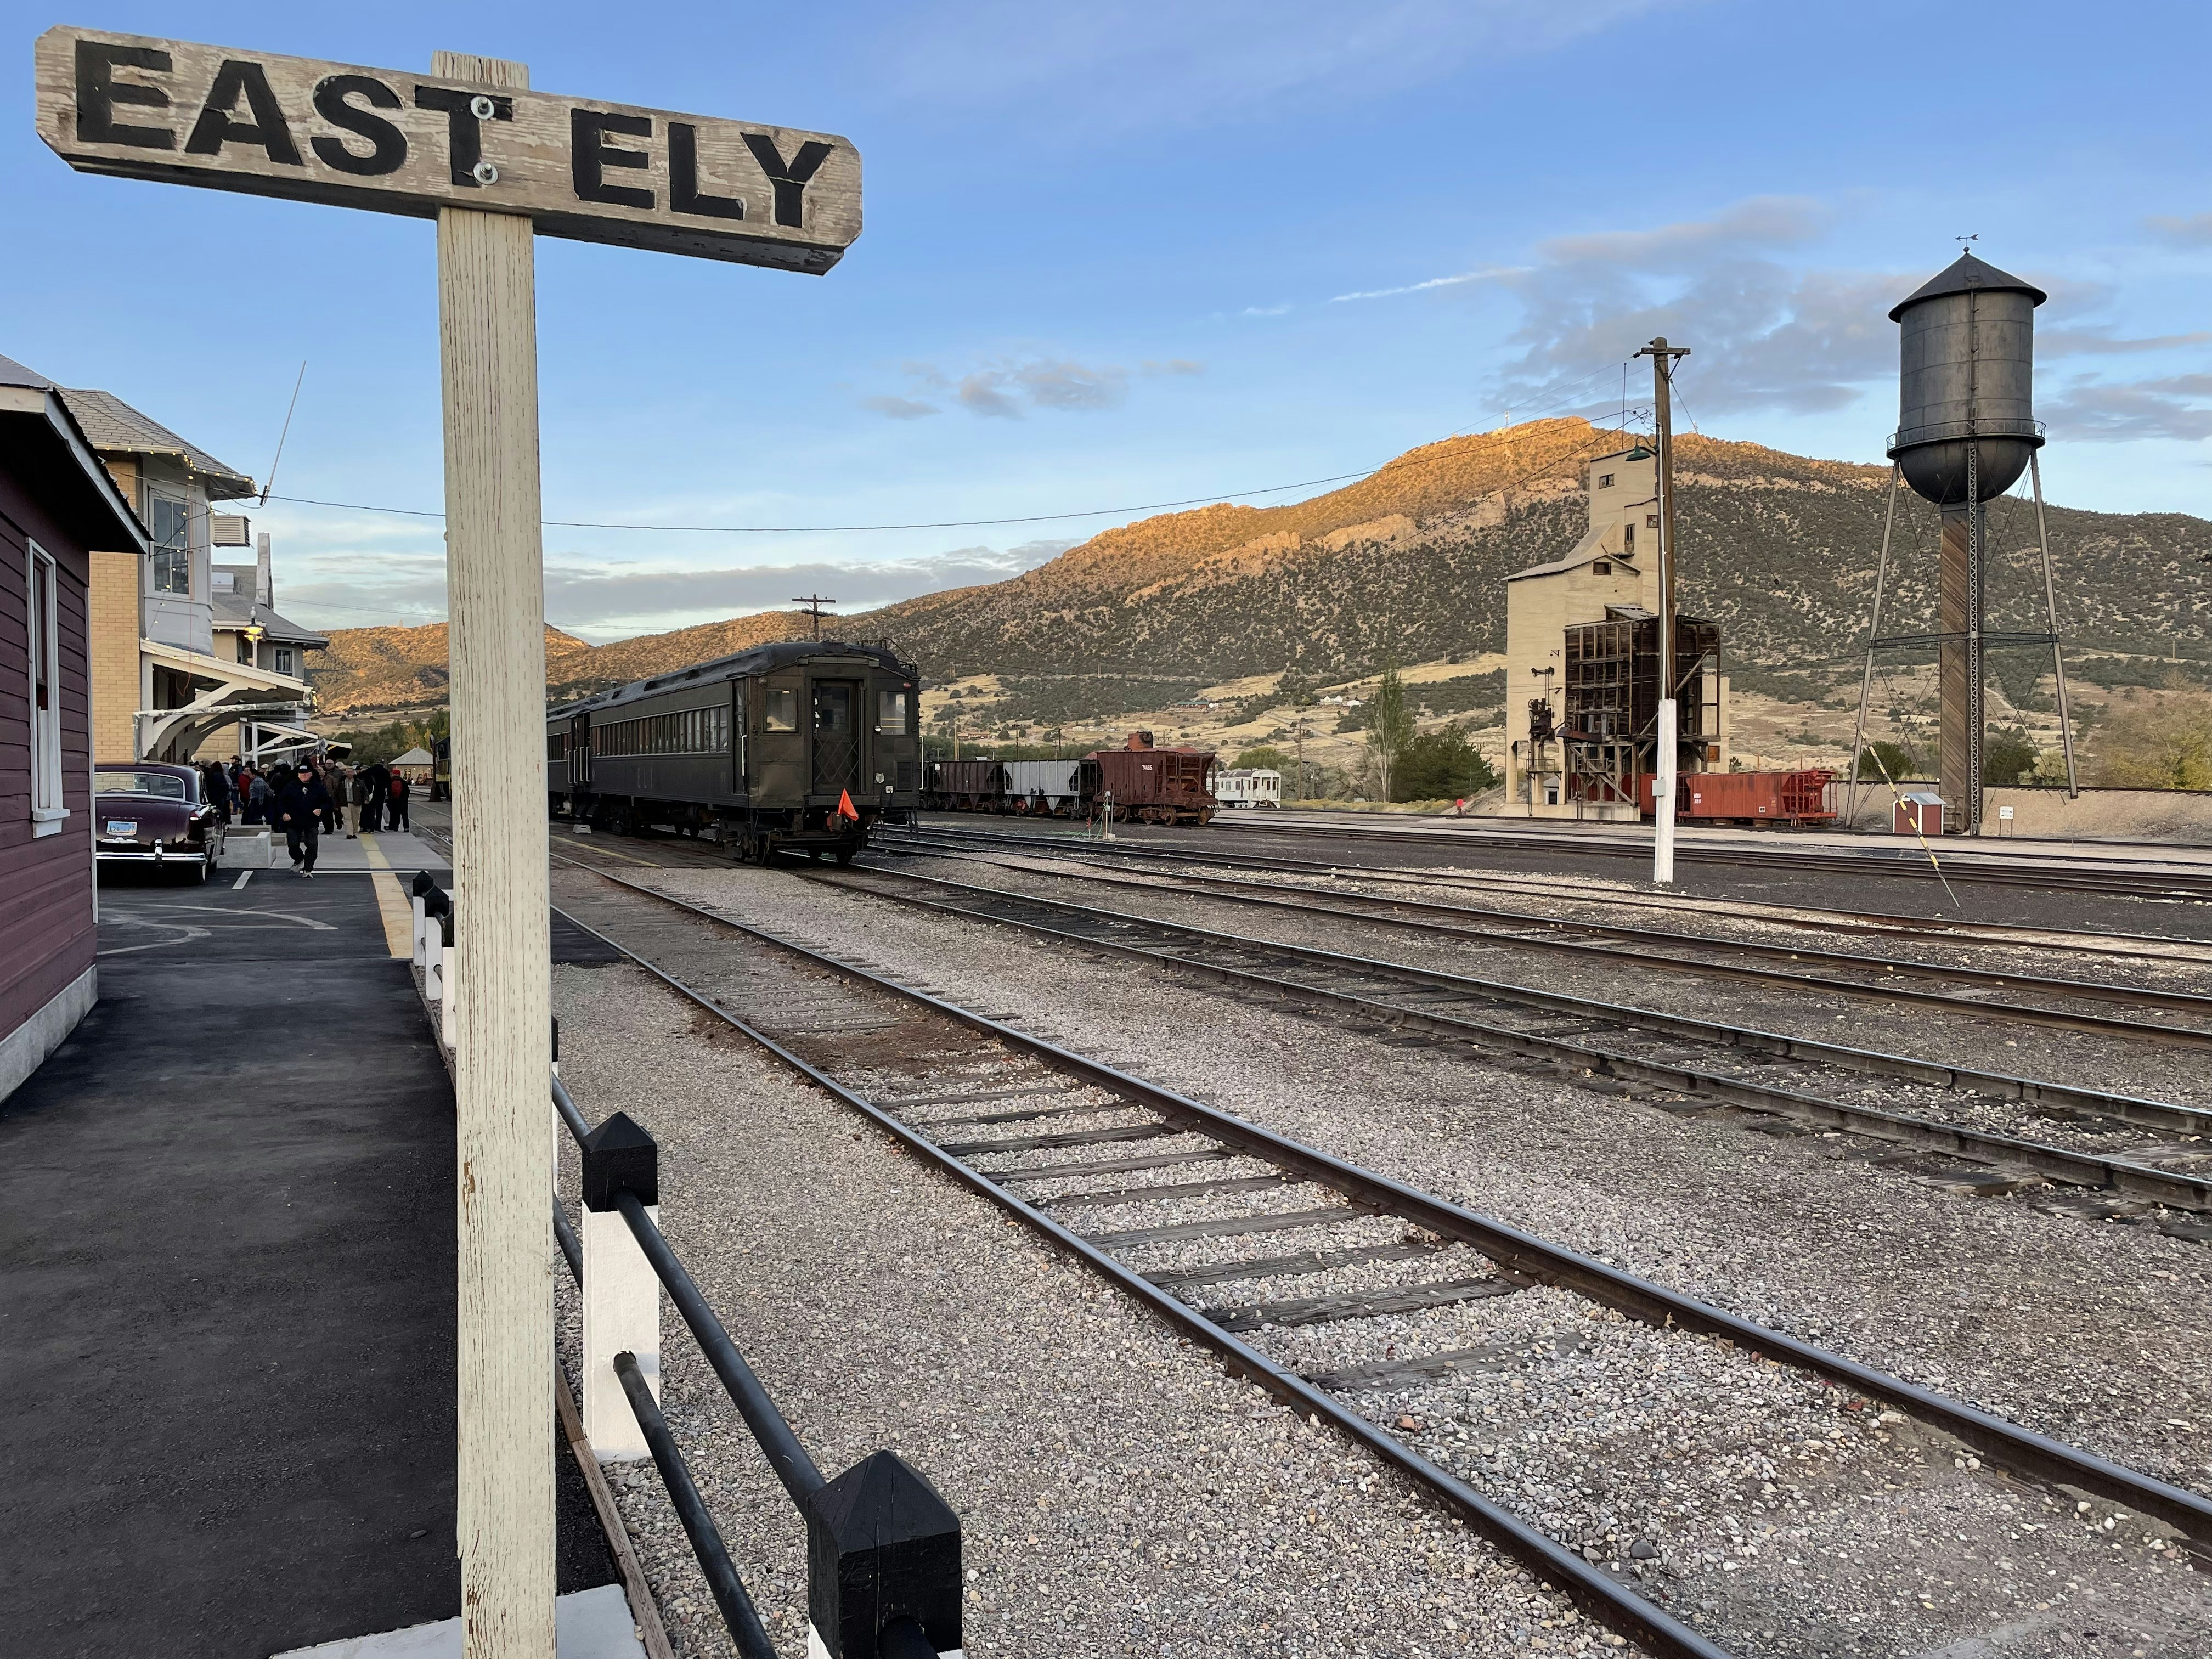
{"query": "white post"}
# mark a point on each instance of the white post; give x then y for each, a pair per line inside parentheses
(432, 953)
(1663, 797)
(622, 1310)
(488, 338)
(448, 1022)
(420, 958)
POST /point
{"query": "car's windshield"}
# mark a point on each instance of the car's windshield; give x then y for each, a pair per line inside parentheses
(165, 785)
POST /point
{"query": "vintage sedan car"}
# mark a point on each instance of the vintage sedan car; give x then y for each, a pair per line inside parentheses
(147, 812)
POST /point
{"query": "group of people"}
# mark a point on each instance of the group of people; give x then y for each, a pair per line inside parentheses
(306, 799)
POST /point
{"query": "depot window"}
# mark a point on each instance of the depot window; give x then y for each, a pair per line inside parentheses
(41, 612)
(780, 709)
(891, 711)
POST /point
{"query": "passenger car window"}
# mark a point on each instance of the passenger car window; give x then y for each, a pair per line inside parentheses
(891, 711)
(782, 710)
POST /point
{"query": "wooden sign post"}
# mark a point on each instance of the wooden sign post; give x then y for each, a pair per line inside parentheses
(495, 164)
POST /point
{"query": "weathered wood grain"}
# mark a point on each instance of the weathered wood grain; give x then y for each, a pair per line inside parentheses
(488, 336)
(394, 142)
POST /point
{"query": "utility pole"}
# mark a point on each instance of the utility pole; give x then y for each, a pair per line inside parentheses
(812, 605)
(1662, 357)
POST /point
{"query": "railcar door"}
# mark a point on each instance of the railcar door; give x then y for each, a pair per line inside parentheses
(579, 752)
(837, 737)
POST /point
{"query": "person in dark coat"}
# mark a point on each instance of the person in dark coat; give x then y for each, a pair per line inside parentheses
(379, 779)
(260, 800)
(395, 802)
(300, 811)
(218, 789)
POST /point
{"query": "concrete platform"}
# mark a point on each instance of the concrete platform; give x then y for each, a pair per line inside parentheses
(594, 1624)
(227, 1292)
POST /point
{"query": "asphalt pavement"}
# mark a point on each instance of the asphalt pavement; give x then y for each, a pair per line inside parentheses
(227, 1292)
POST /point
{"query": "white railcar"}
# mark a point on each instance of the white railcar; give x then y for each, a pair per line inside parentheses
(1248, 786)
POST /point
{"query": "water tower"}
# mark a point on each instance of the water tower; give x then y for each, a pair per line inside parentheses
(1967, 430)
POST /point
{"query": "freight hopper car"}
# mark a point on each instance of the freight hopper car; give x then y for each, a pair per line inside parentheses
(803, 745)
(1803, 800)
(1149, 784)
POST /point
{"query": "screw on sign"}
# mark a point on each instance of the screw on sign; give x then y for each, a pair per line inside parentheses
(495, 164)
(395, 143)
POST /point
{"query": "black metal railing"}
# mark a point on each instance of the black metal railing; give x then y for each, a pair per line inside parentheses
(883, 1547)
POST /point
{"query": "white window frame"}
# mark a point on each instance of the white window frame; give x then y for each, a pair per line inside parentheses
(284, 659)
(43, 627)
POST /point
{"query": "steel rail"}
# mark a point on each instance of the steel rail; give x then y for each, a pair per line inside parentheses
(739, 1612)
(1950, 931)
(1619, 1609)
(1266, 894)
(1992, 1438)
(2083, 1169)
(1969, 867)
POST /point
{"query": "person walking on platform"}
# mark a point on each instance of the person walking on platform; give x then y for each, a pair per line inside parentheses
(218, 789)
(260, 800)
(396, 804)
(356, 785)
(300, 809)
(375, 782)
(333, 782)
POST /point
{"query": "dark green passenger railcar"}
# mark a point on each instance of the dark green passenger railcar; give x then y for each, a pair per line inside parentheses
(802, 745)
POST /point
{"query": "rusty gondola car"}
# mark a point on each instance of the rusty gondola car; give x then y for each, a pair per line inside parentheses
(803, 745)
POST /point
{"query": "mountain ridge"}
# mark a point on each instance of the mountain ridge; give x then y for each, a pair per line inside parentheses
(1408, 563)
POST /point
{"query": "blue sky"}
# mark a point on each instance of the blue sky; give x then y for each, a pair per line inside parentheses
(1120, 253)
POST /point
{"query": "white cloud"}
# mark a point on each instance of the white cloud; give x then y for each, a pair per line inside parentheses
(2187, 230)
(600, 600)
(2102, 411)
(1009, 388)
(1489, 274)
(900, 409)
(1768, 332)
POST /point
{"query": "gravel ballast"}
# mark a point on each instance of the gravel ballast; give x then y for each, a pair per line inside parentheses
(1119, 1494)
(2091, 1332)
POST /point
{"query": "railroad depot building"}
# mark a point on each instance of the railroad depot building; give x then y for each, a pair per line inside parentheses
(189, 658)
(1554, 614)
(57, 503)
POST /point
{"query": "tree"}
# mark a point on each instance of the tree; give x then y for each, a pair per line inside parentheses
(2166, 744)
(1389, 730)
(2007, 757)
(1893, 759)
(1441, 765)
(1267, 756)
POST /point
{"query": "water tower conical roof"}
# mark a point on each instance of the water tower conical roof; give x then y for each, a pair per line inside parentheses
(1966, 272)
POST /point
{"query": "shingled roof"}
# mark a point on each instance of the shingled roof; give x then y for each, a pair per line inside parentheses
(115, 428)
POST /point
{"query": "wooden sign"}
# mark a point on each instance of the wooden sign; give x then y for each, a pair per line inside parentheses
(400, 142)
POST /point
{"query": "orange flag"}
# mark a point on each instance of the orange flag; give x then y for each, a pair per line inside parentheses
(845, 807)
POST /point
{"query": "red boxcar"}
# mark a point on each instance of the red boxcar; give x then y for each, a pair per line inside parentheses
(1796, 799)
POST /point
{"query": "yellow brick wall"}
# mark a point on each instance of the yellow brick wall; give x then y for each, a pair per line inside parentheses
(114, 650)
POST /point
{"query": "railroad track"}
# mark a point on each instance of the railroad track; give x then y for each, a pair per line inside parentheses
(1242, 1239)
(1817, 1084)
(1950, 931)
(1907, 864)
(1856, 974)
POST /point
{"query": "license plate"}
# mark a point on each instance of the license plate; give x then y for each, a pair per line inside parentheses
(122, 828)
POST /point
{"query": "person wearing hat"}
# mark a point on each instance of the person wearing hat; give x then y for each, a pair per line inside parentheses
(299, 812)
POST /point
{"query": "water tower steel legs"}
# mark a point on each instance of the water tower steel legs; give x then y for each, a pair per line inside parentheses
(1959, 653)
(2051, 611)
(1873, 633)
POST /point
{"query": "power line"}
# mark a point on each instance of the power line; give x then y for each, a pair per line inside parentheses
(1572, 390)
